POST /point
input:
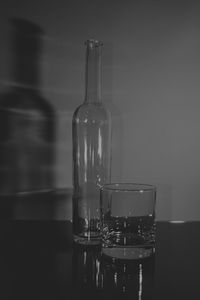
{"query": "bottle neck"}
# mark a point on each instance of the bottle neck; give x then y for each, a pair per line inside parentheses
(93, 72)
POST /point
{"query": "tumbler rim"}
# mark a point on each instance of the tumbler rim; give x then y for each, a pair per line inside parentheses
(128, 187)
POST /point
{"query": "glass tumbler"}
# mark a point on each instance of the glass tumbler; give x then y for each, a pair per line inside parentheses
(128, 220)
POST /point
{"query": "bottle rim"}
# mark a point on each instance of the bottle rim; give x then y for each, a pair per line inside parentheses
(93, 43)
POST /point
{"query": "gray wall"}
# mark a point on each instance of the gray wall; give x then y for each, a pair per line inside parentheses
(151, 75)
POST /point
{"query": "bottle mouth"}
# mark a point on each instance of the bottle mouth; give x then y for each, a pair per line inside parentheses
(93, 43)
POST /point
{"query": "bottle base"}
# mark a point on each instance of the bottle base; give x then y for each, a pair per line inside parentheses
(87, 241)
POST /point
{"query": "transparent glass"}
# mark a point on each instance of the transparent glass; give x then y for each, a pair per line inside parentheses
(91, 133)
(128, 220)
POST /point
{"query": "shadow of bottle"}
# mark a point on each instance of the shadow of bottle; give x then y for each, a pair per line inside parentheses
(27, 119)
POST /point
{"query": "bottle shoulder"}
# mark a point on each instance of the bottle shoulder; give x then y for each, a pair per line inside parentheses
(91, 112)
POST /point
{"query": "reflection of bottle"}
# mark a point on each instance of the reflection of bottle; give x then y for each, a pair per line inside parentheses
(91, 151)
(26, 119)
(86, 270)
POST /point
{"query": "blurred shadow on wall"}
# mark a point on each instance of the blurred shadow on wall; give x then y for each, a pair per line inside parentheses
(27, 131)
(116, 114)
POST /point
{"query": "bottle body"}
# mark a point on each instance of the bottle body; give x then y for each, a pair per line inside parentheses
(91, 134)
(91, 169)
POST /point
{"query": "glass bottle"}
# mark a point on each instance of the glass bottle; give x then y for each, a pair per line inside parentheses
(26, 118)
(91, 134)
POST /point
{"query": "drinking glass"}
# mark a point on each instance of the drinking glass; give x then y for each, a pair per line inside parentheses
(128, 220)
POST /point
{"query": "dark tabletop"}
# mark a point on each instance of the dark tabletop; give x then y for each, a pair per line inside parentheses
(39, 261)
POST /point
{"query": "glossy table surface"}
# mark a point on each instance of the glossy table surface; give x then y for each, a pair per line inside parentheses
(39, 261)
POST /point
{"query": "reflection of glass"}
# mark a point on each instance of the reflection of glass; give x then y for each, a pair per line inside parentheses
(91, 151)
(133, 279)
(128, 220)
(26, 118)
